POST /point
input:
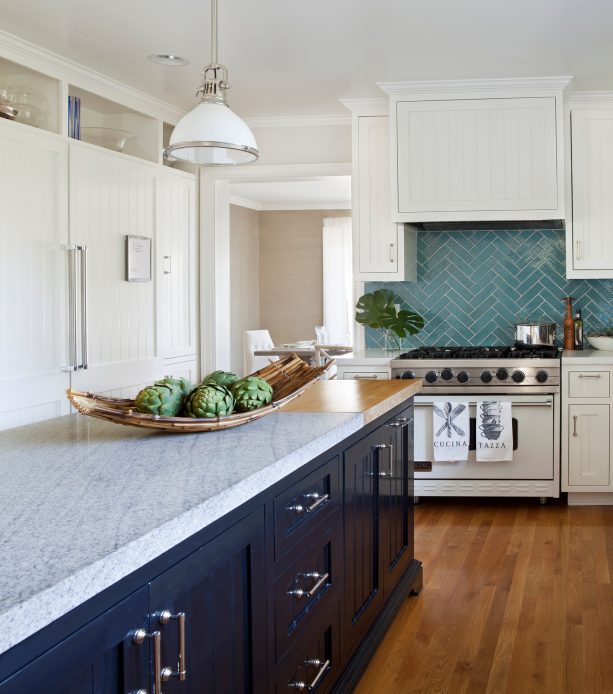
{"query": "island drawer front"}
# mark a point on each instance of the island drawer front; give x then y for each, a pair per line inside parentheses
(305, 588)
(314, 665)
(588, 384)
(300, 507)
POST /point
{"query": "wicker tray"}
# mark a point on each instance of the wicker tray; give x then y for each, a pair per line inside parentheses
(289, 377)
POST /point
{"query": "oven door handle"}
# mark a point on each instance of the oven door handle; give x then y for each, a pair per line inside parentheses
(543, 403)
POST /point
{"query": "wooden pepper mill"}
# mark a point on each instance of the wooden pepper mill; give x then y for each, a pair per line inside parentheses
(569, 324)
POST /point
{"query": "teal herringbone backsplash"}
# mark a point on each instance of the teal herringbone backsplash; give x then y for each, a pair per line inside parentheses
(473, 285)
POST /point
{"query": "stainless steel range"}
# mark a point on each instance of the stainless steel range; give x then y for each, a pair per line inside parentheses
(529, 378)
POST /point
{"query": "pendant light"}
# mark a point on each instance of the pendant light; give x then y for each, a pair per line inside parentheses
(212, 134)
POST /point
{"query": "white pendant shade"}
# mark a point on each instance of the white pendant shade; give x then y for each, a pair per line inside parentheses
(196, 135)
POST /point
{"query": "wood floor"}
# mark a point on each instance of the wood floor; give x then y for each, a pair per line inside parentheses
(517, 598)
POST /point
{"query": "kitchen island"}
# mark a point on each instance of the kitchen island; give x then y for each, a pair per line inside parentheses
(93, 512)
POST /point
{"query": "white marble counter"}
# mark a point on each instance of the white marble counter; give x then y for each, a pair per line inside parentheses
(587, 357)
(84, 503)
(368, 357)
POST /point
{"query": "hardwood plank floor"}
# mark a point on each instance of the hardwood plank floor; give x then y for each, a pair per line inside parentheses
(517, 598)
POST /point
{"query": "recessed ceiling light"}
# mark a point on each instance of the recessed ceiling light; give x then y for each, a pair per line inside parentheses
(167, 59)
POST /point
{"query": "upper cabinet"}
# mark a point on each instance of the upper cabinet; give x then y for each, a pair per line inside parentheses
(589, 248)
(479, 150)
(383, 250)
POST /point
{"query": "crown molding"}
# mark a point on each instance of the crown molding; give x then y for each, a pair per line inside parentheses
(298, 121)
(56, 66)
(600, 97)
(374, 106)
(245, 202)
(287, 206)
(506, 84)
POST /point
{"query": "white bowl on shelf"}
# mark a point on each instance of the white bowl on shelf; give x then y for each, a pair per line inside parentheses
(601, 342)
(111, 138)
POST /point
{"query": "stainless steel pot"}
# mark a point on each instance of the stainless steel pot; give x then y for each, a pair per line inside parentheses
(535, 333)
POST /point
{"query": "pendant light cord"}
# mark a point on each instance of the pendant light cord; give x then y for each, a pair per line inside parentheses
(214, 32)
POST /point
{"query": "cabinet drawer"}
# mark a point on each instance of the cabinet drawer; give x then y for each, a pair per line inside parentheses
(588, 384)
(314, 665)
(302, 505)
(305, 588)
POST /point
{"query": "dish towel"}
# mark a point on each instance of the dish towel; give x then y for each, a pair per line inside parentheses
(494, 440)
(450, 432)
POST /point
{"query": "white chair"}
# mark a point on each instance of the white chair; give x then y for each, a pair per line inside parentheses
(256, 339)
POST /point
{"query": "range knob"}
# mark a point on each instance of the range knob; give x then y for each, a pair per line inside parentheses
(487, 376)
(463, 376)
(542, 376)
(502, 374)
(431, 377)
(518, 376)
(446, 374)
(408, 374)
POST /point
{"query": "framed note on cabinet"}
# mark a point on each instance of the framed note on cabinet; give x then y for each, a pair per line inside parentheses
(138, 259)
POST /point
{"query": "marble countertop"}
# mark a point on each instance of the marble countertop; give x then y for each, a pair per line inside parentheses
(587, 357)
(76, 499)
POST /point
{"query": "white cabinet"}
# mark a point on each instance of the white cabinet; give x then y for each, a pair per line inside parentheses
(587, 429)
(177, 264)
(476, 150)
(33, 231)
(383, 251)
(589, 234)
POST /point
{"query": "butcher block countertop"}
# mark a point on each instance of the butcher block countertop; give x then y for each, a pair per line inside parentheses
(370, 398)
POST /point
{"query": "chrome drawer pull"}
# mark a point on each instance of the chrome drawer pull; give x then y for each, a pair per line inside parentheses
(322, 579)
(359, 378)
(590, 376)
(379, 447)
(320, 500)
(180, 673)
(323, 665)
(138, 638)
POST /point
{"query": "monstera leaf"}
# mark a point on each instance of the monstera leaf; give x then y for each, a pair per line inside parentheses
(378, 310)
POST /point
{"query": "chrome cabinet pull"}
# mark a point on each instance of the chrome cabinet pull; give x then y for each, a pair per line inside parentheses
(321, 579)
(579, 254)
(379, 447)
(167, 264)
(138, 638)
(301, 686)
(391, 252)
(180, 673)
(83, 251)
(320, 500)
(72, 309)
(360, 378)
(394, 425)
(590, 376)
(574, 425)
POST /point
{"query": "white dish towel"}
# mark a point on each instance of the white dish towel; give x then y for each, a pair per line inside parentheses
(450, 432)
(494, 440)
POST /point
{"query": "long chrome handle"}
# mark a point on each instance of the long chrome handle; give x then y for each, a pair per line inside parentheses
(83, 250)
(322, 579)
(320, 499)
(180, 673)
(579, 255)
(391, 252)
(590, 376)
(167, 264)
(72, 308)
(323, 665)
(540, 403)
(359, 378)
(574, 425)
(379, 447)
(138, 638)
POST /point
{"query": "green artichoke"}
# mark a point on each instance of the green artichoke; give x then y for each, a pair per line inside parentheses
(183, 383)
(221, 378)
(165, 399)
(209, 400)
(251, 392)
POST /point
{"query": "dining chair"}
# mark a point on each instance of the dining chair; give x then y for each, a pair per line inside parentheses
(253, 340)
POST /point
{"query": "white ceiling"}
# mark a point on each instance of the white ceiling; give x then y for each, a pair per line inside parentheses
(289, 57)
(324, 193)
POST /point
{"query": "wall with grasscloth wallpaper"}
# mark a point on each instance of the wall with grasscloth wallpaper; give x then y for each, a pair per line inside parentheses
(473, 285)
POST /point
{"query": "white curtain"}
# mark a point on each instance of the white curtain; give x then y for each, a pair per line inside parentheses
(338, 283)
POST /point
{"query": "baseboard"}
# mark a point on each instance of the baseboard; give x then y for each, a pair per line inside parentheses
(590, 498)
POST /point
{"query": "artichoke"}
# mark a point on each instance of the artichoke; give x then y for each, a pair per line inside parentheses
(221, 378)
(251, 392)
(165, 399)
(183, 383)
(209, 400)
